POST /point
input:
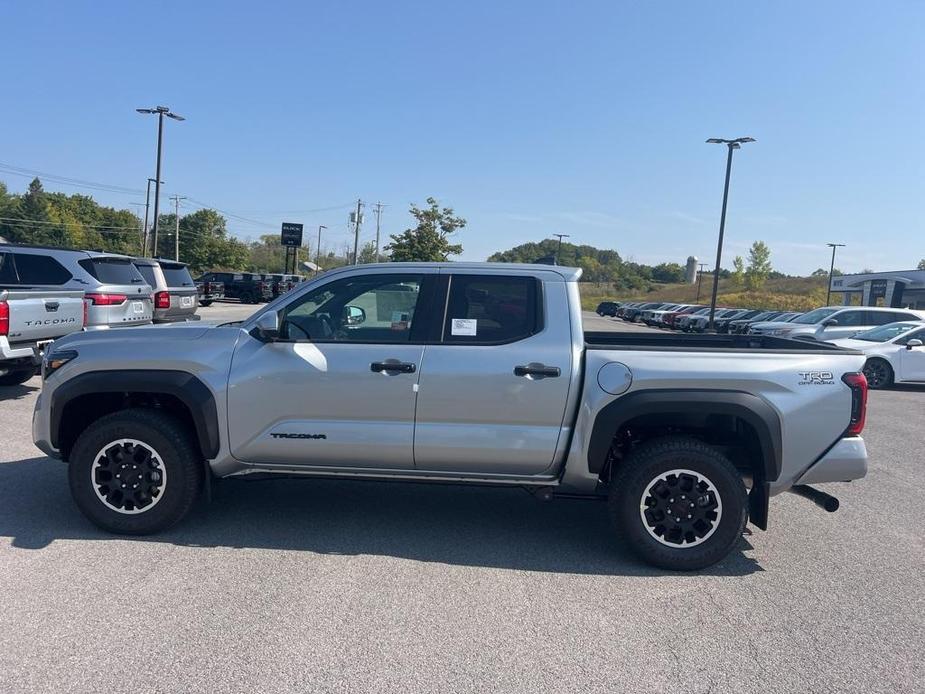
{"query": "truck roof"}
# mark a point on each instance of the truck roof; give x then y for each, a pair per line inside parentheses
(569, 274)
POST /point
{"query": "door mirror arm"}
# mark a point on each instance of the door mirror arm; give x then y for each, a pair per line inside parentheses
(913, 343)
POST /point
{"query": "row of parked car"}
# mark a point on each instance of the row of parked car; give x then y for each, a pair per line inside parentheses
(47, 292)
(892, 338)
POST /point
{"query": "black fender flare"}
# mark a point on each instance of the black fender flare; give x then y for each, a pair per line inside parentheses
(750, 408)
(184, 386)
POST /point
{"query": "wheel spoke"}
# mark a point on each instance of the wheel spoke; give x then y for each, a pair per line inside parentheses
(680, 508)
(128, 476)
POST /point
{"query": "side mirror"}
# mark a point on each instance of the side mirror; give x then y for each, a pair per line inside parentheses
(354, 315)
(267, 327)
(829, 323)
(914, 342)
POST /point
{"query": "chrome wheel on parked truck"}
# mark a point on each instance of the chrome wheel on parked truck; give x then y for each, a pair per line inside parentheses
(678, 503)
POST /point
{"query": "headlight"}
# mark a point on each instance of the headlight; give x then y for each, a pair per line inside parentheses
(55, 359)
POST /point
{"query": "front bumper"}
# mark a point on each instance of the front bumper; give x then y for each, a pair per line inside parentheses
(845, 461)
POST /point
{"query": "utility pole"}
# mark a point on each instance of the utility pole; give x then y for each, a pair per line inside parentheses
(358, 218)
(161, 111)
(176, 233)
(828, 291)
(732, 145)
(700, 280)
(559, 247)
(379, 207)
(318, 248)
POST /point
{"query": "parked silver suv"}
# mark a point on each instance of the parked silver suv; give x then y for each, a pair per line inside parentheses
(116, 293)
(175, 294)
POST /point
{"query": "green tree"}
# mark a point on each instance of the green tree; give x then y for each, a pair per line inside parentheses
(738, 272)
(668, 272)
(759, 266)
(921, 265)
(368, 253)
(429, 240)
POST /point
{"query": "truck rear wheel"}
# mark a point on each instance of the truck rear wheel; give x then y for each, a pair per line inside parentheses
(678, 503)
(207, 302)
(17, 377)
(135, 472)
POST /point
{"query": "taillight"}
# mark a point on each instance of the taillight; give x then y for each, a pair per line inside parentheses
(4, 318)
(107, 299)
(86, 305)
(858, 384)
(162, 300)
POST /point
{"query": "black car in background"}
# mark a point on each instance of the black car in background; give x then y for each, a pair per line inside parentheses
(607, 308)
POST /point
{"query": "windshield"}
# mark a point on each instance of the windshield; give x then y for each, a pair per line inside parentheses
(819, 314)
(885, 333)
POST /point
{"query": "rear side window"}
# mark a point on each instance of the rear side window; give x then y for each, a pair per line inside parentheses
(148, 273)
(112, 271)
(177, 275)
(40, 269)
(7, 271)
(491, 309)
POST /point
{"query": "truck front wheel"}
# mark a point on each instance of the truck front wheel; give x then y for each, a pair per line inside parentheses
(135, 472)
(678, 503)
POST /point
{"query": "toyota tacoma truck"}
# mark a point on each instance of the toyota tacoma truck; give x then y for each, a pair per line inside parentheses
(473, 373)
(30, 319)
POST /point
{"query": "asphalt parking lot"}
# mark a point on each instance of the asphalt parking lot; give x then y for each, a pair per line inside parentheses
(317, 586)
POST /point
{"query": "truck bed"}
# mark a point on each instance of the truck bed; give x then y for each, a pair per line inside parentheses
(701, 342)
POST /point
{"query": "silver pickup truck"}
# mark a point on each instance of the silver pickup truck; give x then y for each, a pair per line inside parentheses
(30, 319)
(456, 372)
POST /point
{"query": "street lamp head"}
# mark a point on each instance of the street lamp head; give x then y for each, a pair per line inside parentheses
(161, 110)
(716, 141)
(173, 115)
(145, 110)
(732, 143)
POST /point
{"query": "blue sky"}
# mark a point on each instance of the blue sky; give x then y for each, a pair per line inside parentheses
(530, 118)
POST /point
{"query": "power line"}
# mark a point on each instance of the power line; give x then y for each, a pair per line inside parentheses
(57, 178)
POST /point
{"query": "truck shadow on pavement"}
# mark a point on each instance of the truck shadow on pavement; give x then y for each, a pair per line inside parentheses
(472, 526)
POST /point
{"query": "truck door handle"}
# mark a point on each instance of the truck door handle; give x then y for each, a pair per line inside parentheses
(537, 370)
(403, 367)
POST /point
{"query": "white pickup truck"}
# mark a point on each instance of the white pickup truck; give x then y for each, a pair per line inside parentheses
(470, 373)
(30, 319)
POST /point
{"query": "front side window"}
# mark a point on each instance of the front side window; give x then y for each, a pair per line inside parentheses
(490, 309)
(885, 333)
(817, 316)
(371, 308)
(917, 335)
(853, 319)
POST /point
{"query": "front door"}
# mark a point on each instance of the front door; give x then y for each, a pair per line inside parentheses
(493, 390)
(912, 361)
(338, 388)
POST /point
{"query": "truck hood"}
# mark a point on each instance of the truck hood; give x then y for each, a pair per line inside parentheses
(175, 332)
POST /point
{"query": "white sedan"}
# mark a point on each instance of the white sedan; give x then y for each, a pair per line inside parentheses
(895, 353)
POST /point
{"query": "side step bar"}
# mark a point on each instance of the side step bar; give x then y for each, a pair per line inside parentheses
(820, 498)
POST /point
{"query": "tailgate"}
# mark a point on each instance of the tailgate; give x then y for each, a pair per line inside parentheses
(43, 315)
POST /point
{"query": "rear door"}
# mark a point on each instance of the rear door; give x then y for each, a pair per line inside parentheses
(493, 388)
(121, 298)
(181, 288)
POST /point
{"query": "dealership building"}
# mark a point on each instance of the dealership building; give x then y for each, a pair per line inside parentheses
(896, 289)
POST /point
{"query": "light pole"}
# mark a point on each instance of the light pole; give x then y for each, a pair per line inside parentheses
(731, 145)
(699, 280)
(318, 247)
(828, 291)
(144, 248)
(161, 111)
(559, 247)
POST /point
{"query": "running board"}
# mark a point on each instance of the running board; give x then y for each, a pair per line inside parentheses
(398, 475)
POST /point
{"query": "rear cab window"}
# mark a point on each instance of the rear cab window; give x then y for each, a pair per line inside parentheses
(491, 309)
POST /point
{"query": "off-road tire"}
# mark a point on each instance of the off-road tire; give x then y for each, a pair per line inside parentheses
(206, 303)
(180, 457)
(17, 377)
(635, 476)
